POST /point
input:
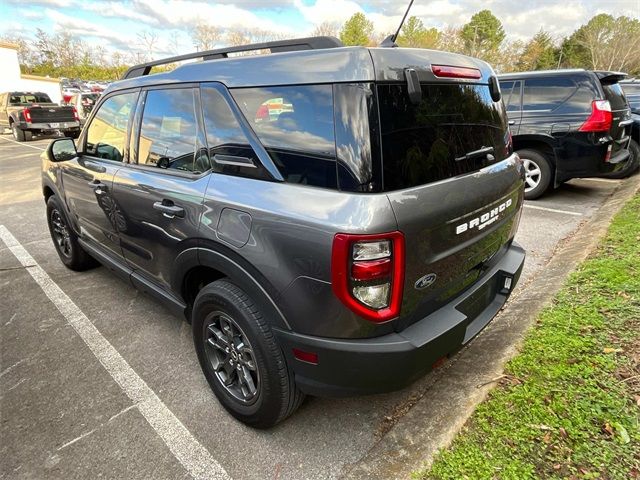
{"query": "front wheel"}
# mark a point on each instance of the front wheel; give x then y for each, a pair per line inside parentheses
(538, 173)
(65, 240)
(240, 358)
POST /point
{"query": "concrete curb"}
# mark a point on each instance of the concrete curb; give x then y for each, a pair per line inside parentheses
(432, 423)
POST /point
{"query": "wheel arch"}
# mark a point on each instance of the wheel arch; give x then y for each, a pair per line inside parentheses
(544, 144)
(199, 266)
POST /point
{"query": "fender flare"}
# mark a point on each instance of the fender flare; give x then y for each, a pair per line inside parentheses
(548, 140)
(236, 269)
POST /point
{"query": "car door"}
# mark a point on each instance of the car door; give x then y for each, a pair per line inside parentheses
(163, 186)
(88, 179)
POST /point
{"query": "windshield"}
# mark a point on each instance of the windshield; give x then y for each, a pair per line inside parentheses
(28, 98)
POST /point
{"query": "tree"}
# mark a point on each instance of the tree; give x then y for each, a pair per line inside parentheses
(205, 36)
(147, 42)
(415, 35)
(326, 29)
(605, 43)
(539, 53)
(483, 35)
(357, 30)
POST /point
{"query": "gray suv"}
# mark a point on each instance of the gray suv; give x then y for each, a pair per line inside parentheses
(331, 220)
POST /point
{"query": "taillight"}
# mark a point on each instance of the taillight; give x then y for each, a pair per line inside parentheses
(600, 119)
(367, 274)
(446, 71)
(27, 115)
(75, 114)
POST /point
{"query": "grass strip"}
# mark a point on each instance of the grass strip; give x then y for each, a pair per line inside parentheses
(568, 405)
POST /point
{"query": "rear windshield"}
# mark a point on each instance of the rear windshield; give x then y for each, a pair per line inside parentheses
(613, 92)
(28, 98)
(440, 137)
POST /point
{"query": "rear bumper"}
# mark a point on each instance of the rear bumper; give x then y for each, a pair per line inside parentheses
(589, 161)
(386, 363)
(48, 126)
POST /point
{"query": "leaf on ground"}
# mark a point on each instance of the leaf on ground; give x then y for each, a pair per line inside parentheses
(623, 435)
(611, 350)
(608, 429)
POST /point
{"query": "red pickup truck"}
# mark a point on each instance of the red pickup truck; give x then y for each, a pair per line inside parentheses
(33, 113)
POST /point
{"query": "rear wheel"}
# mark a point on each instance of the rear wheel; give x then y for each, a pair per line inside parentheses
(19, 134)
(65, 240)
(240, 358)
(538, 173)
(632, 164)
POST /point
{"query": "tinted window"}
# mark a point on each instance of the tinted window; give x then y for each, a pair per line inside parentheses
(19, 98)
(558, 94)
(511, 95)
(228, 145)
(357, 138)
(168, 131)
(430, 141)
(108, 130)
(632, 92)
(295, 124)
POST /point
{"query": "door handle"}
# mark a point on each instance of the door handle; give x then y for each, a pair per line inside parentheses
(94, 167)
(98, 186)
(169, 209)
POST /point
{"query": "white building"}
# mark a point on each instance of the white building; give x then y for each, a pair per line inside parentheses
(12, 79)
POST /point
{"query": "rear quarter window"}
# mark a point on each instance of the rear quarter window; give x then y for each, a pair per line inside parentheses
(614, 93)
(558, 94)
(295, 125)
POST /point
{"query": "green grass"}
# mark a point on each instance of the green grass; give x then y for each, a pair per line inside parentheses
(569, 404)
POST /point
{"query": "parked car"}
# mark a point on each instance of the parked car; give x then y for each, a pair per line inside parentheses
(568, 124)
(33, 113)
(344, 243)
(632, 91)
(83, 103)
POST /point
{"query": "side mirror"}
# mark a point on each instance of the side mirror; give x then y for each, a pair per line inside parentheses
(61, 150)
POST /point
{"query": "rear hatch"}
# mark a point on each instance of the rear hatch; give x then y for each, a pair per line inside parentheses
(621, 113)
(453, 183)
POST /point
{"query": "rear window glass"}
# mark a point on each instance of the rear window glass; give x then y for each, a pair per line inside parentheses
(295, 125)
(440, 137)
(613, 92)
(27, 98)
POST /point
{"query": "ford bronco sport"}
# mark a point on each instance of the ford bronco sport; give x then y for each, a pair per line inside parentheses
(332, 220)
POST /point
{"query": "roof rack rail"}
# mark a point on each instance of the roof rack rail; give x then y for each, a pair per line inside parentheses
(309, 43)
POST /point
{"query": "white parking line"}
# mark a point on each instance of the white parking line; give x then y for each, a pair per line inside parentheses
(195, 458)
(23, 144)
(554, 210)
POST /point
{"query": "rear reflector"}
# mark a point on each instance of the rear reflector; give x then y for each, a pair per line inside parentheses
(308, 357)
(371, 270)
(600, 119)
(447, 71)
(75, 114)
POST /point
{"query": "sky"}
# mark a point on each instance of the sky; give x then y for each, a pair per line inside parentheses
(116, 25)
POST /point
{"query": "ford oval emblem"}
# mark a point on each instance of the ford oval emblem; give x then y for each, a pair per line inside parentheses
(426, 281)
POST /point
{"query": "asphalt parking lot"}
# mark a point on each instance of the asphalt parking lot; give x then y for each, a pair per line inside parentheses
(65, 413)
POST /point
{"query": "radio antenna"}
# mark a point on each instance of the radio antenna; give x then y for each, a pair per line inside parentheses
(390, 41)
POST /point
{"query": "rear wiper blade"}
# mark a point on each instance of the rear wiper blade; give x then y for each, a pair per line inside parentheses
(484, 151)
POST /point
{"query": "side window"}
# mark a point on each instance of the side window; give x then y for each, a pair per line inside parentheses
(108, 130)
(547, 93)
(229, 148)
(295, 124)
(169, 130)
(511, 95)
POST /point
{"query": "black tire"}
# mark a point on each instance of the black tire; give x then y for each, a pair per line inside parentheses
(19, 134)
(65, 240)
(74, 134)
(539, 173)
(632, 164)
(275, 395)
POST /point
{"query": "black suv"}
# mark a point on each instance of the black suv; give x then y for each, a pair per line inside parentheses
(568, 124)
(334, 225)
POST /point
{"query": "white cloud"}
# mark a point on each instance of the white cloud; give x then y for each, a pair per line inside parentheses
(328, 10)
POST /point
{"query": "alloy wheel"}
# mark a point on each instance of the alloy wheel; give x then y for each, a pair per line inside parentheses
(231, 357)
(533, 174)
(61, 233)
